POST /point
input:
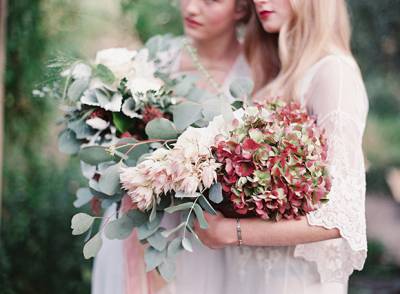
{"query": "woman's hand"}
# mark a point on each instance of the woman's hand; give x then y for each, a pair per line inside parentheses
(221, 231)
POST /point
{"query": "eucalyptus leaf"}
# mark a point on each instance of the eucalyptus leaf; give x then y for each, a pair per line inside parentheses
(96, 193)
(185, 85)
(81, 128)
(144, 231)
(93, 246)
(197, 95)
(95, 155)
(76, 89)
(186, 113)
(215, 193)
(206, 205)
(109, 182)
(183, 206)
(167, 270)
(138, 217)
(68, 142)
(83, 197)
(137, 152)
(187, 244)
(212, 108)
(157, 240)
(168, 233)
(104, 74)
(153, 213)
(153, 258)
(80, 223)
(196, 237)
(161, 128)
(157, 221)
(174, 247)
(200, 216)
(241, 88)
(120, 228)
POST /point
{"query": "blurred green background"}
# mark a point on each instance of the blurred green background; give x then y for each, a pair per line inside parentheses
(38, 253)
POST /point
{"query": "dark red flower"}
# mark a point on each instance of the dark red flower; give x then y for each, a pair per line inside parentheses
(95, 205)
(149, 113)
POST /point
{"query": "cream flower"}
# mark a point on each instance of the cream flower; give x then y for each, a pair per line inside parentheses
(119, 60)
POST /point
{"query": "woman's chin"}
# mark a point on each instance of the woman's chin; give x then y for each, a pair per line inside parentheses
(195, 34)
(271, 28)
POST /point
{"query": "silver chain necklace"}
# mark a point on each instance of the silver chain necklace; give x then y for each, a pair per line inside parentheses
(201, 68)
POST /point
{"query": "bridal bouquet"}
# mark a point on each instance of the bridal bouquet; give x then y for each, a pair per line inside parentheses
(269, 162)
(125, 111)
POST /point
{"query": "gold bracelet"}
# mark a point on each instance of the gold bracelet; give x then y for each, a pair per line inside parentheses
(239, 232)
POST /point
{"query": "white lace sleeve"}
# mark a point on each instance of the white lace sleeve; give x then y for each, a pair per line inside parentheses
(337, 96)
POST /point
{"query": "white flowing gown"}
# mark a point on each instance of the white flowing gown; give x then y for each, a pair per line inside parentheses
(333, 90)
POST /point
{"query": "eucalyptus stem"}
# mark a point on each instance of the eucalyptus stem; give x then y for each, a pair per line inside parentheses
(188, 217)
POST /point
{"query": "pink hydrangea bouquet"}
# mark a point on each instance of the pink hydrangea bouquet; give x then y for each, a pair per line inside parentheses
(274, 162)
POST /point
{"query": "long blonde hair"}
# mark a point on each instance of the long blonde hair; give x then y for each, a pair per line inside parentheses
(317, 28)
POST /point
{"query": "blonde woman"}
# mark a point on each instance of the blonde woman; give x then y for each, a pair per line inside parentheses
(307, 44)
(211, 29)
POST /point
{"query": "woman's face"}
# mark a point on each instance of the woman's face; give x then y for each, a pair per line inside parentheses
(273, 14)
(206, 19)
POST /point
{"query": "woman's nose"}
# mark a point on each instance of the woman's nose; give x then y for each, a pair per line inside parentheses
(192, 6)
(260, 2)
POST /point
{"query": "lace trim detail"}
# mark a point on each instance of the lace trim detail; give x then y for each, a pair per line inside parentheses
(336, 259)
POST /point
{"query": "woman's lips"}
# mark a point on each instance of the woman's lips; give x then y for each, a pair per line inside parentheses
(192, 23)
(264, 14)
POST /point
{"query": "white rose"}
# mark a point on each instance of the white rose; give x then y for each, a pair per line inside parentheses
(118, 60)
(141, 79)
(143, 84)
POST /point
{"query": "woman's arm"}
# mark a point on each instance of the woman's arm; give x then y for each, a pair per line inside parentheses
(337, 97)
(257, 232)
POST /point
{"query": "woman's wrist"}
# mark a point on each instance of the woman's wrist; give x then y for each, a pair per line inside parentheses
(229, 232)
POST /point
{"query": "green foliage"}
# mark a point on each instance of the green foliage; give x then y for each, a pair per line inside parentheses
(25, 117)
(38, 253)
(153, 17)
(36, 244)
(380, 273)
(375, 34)
(161, 128)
